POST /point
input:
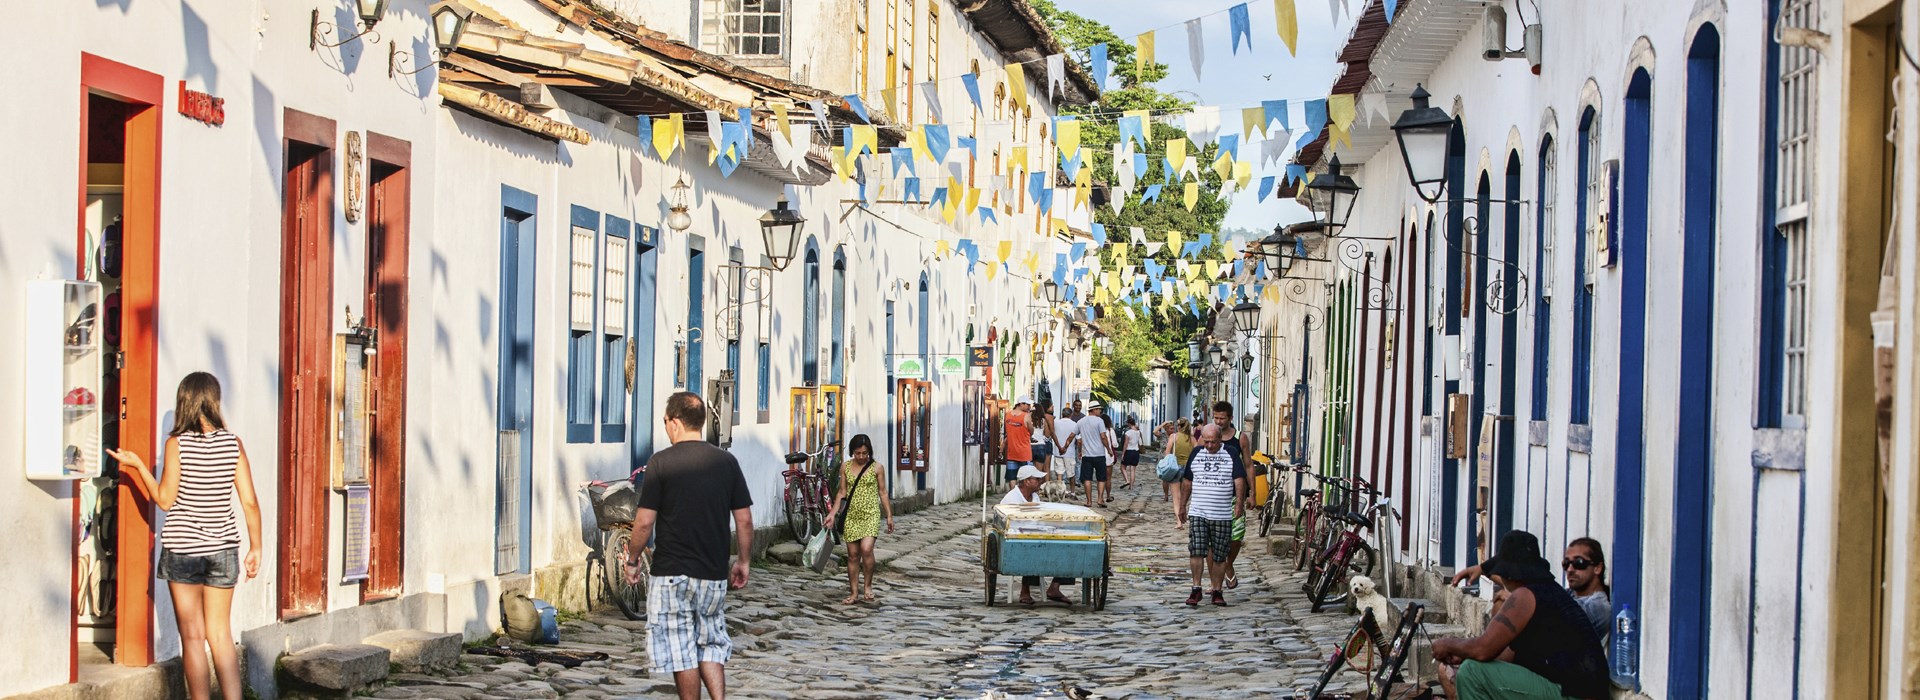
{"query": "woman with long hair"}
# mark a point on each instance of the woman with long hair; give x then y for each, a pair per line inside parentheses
(865, 501)
(206, 468)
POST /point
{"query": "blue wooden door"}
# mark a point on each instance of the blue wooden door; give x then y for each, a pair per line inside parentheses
(646, 280)
(513, 495)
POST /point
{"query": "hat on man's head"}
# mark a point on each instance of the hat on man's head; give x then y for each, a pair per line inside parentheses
(1029, 471)
(1024, 400)
(1518, 559)
(1093, 405)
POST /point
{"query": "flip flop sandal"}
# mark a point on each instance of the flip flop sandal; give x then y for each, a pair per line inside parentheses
(1060, 599)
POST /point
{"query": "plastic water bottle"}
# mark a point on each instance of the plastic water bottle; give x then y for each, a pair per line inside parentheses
(1625, 664)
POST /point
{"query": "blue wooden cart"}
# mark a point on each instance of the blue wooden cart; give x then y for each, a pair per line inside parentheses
(1052, 540)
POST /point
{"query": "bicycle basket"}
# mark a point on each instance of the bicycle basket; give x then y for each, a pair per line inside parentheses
(613, 504)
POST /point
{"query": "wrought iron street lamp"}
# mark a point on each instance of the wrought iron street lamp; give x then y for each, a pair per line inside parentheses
(1337, 194)
(449, 24)
(1052, 290)
(370, 12)
(1193, 352)
(780, 231)
(1213, 356)
(1246, 317)
(1423, 132)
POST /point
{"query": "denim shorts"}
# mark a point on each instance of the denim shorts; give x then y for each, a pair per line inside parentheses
(1042, 451)
(220, 569)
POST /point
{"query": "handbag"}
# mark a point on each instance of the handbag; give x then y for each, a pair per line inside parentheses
(1168, 469)
(840, 517)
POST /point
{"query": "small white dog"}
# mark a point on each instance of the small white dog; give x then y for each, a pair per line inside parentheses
(1366, 597)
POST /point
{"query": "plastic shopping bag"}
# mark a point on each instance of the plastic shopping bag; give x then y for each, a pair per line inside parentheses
(1168, 469)
(819, 551)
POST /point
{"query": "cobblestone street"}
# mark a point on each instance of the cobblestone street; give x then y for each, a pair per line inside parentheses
(929, 635)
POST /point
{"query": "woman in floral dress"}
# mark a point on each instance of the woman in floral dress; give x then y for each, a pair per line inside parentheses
(865, 499)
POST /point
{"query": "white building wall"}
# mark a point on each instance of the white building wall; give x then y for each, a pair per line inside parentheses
(1755, 595)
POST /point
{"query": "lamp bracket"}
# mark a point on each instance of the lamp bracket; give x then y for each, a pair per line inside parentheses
(755, 288)
(315, 31)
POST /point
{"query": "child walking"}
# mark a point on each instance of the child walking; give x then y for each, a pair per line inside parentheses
(206, 468)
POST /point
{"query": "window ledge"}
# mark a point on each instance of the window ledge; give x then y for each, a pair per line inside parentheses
(1537, 433)
(1780, 449)
(1580, 438)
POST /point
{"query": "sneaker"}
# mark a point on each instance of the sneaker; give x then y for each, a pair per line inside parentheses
(1218, 599)
(1193, 599)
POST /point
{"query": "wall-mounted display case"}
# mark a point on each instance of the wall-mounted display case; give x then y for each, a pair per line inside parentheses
(62, 380)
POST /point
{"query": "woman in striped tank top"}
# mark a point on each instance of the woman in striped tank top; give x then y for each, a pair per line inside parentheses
(206, 468)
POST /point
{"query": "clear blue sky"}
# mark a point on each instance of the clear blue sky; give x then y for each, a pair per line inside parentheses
(1229, 80)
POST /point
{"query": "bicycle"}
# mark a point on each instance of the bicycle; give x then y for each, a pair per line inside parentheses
(1349, 555)
(1313, 530)
(1364, 642)
(808, 495)
(614, 504)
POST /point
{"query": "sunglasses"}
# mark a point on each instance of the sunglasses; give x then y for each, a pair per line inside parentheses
(1577, 563)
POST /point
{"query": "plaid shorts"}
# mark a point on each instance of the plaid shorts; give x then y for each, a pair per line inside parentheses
(686, 623)
(1206, 535)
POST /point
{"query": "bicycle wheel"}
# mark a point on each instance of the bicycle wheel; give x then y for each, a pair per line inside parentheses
(799, 523)
(1271, 511)
(1333, 666)
(631, 598)
(1303, 521)
(1395, 656)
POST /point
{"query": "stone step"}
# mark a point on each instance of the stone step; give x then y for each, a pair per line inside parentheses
(1435, 613)
(415, 650)
(334, 670)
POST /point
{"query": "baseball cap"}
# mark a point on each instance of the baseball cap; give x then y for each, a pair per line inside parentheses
(1029, 471)
(1024, 400)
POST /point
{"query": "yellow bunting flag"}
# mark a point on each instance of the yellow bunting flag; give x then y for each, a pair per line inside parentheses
(973, 200)
(666, 135)
(889, 95)
(780, 120)
(1017, 84)
(1340, 116)
(917, 142)
(1142, 56)
(1253, 120)
(1177, 153)
(1213, 269)
(992, 272)
(1191, 195)
(1173, 243)
(1005, 250)
(1119, 251)
(1223, 166)
(1067, 138)
(940, 248)
(865, 136)
(1058, 226)
(1288, 24)
(1017, 162)
(1032, 263)
(1242, 173)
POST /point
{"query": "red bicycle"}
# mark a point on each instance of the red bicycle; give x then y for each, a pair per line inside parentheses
(809, 493)
(1313, 529)
(1349, 554)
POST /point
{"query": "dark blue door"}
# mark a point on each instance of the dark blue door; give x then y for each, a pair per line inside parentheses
(1629, 458)
(646, 280)
(513, 496)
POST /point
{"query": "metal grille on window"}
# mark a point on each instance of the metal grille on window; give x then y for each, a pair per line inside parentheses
(1596, 223)
(614, 286)
(580, 312)
(1792, 192)
(861, 47)
(1549, 193)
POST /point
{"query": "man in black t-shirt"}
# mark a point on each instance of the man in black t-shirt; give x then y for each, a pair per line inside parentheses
(689, 489)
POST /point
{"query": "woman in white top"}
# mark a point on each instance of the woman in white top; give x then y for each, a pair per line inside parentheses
(200, 541)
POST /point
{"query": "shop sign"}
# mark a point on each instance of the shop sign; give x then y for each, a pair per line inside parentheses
(952, 366)
(909, 367)
(980, 356)
(358, 545)
(202, 107)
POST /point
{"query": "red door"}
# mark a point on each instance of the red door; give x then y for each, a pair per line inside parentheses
(306, 363)
(386, 305)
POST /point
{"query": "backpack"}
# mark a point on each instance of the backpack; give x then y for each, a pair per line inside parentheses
(1169, 468)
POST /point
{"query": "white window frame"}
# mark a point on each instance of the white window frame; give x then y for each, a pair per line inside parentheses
(1793, 199)
(717, 37)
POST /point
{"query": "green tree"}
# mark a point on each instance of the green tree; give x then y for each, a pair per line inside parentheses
(1119, 374)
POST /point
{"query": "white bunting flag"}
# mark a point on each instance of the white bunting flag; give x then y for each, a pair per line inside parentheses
(1056, 73)
(1196, 46)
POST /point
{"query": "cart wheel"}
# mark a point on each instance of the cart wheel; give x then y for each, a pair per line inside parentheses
(1100, 594)
(992, 582)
